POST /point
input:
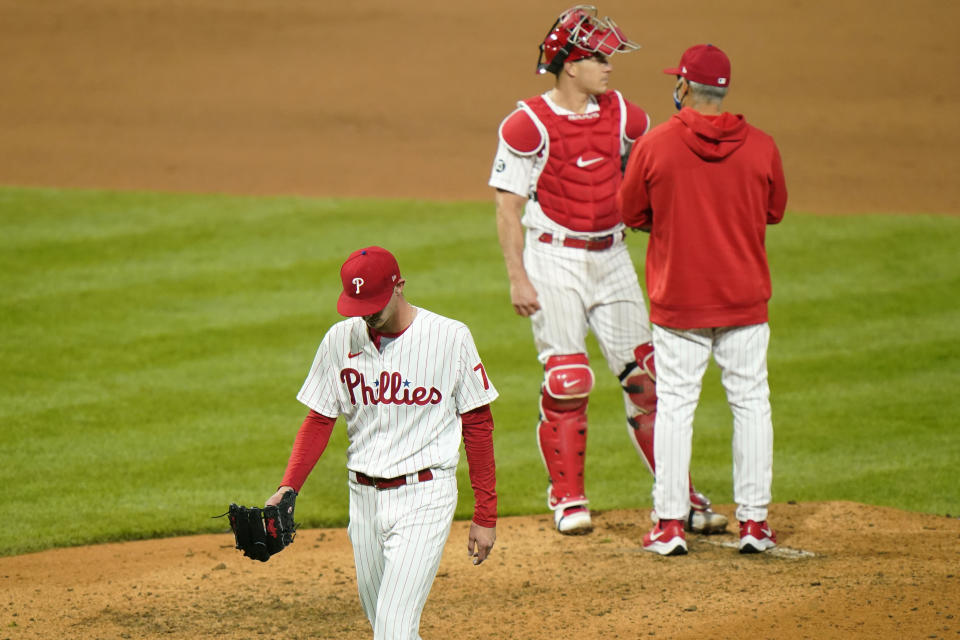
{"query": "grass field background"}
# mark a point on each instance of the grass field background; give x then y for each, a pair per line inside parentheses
(153, 344)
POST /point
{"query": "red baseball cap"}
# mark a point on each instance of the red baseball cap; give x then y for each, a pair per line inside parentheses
(704, 63)
(369, 276)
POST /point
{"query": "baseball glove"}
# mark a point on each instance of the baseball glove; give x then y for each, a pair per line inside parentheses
(260, 533)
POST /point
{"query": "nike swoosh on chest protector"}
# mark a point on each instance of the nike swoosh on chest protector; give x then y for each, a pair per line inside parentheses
(586, 163)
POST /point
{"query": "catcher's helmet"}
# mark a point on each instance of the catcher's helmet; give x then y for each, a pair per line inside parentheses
(577, 34)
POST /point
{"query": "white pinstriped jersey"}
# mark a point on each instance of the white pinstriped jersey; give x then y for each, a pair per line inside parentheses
(401, 406)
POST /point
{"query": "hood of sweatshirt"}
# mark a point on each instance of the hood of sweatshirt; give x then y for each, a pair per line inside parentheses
(712, 137)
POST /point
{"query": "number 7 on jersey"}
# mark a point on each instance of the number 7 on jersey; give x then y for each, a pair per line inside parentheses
(483, 374)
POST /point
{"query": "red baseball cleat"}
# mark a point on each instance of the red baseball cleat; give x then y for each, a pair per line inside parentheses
(573, 521)
(756, 537)
(667, 538)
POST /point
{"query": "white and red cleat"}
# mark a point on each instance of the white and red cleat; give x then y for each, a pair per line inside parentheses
(706, 521)
(667, 538)
(756, 537)
(702, 518)
(573, 521)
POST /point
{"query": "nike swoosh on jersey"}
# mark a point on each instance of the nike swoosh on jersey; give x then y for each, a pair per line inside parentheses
(353, 355)
(586, 163)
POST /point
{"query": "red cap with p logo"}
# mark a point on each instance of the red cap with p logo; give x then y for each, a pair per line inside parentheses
(369, 276)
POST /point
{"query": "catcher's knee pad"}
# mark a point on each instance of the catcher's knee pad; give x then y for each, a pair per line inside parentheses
(562, 432)
(639, 382)
(567, 381)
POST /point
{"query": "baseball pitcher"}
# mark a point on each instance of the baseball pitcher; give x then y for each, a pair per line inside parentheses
(409, 384)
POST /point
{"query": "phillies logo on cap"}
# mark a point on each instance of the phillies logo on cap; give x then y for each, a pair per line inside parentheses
(369, 276)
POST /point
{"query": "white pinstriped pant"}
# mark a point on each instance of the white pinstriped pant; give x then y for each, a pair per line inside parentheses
(579, 290)
(682, 357)
(398, 537)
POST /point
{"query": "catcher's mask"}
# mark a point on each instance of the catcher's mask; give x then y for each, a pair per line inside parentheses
(577, 34)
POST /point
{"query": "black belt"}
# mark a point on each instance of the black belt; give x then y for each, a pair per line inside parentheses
(389, 483)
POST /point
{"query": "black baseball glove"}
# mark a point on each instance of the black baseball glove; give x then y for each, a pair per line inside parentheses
(260, 533)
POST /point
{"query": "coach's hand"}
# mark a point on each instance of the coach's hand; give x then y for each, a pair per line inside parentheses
(480, 542)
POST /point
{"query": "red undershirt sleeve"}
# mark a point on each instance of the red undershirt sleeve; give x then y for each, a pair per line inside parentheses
(478, 444)
(311, 440)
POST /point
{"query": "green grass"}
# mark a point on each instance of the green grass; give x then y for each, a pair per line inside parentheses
(152, 347)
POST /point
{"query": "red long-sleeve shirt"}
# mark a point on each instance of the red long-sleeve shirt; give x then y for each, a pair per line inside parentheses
(705, 187)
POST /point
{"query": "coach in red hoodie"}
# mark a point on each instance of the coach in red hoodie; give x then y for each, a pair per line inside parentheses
(705, 184)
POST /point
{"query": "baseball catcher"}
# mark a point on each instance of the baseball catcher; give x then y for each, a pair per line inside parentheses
(260, 533)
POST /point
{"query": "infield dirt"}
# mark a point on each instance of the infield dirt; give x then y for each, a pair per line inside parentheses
(842, 570)
(383, 99)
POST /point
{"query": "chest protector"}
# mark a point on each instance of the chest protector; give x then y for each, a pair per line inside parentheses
(579, 183)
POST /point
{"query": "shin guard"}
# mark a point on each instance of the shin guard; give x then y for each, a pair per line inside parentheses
(562, 432)
(639, 382)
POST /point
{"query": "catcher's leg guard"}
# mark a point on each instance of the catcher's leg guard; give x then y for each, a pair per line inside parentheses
(639, 381)
(562, 437)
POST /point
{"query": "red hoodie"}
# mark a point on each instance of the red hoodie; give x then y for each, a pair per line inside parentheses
(705, 187)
